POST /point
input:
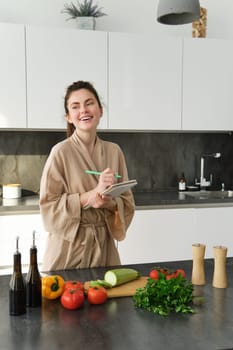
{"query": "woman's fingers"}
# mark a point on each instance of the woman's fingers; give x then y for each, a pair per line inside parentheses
(106, 179)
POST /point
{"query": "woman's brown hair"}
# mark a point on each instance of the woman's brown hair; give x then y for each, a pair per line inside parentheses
(77, 85)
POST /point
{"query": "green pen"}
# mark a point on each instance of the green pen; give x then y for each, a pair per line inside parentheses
(93, 172)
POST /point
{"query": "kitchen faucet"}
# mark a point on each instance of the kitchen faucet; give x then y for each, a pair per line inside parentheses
(203, 182)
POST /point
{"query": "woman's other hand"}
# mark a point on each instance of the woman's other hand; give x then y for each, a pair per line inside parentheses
(101, 201)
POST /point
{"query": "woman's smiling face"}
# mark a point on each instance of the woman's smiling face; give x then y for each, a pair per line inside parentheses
(84, 110)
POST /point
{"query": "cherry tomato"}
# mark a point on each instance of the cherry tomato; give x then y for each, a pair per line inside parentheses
(164, 271)
(154, 274)
(97, 295)
(72, 299)
(170, 276)
(180, 271)
(74, 285)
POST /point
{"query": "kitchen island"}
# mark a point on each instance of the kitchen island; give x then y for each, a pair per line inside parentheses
(117, 324)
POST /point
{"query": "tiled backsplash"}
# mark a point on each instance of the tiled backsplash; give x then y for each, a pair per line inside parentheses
(156, 160)
(23, 155)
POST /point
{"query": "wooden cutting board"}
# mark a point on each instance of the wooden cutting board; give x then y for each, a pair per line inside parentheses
(124, 290)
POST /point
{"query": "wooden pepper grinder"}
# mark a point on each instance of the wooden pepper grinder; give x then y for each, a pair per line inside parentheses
(198, 271)
(220, 275)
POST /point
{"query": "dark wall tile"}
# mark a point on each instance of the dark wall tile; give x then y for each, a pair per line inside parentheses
(156, 160)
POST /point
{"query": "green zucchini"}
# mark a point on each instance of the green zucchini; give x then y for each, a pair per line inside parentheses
(100, 283)
(117, 277)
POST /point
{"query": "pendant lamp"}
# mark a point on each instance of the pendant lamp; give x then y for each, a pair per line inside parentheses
(178, 11)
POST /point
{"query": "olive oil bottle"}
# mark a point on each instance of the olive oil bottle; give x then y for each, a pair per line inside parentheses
(33, 279)
(17, 290)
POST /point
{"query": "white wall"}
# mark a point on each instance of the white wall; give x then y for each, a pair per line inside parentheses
(123, 16)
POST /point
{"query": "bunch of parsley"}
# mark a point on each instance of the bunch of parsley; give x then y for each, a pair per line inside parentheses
(163, 296)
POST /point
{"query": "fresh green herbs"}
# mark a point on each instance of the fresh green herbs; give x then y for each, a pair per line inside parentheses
(164, 295)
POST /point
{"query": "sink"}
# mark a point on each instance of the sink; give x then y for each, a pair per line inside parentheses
(209, 194)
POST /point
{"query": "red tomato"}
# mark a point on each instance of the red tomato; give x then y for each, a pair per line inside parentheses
(74, 285)
(180, 271)
(170, 276)
(163, 271)
(72, 299)
(97, 295)
(154, 274)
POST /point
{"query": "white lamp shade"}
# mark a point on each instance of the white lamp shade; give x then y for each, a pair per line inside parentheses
(178, 11)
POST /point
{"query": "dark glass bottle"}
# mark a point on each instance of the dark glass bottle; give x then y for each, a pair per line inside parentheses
(17, 290)
(33, 279)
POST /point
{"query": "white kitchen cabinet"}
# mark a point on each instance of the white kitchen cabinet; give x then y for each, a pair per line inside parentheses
(57, 57)
(159, 235)
(145, 82)
(12, 76)
(216, 225)
(168, 234)
(207, 84)
(22, 226)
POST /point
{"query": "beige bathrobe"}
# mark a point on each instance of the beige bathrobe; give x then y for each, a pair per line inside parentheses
(81, 238)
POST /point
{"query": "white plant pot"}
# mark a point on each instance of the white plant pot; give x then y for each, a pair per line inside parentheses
(86, 23)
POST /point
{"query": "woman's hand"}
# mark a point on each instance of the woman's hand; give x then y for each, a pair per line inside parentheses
(106, 179)
(106, 202)
(94, 198)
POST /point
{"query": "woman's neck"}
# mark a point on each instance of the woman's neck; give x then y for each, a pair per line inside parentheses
(88, 139)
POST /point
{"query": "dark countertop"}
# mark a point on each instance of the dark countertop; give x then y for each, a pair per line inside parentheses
(176, 199)
(143, 200)
(117, 324)
(24, 205)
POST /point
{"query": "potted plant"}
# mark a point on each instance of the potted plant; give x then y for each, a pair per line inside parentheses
(85, 12)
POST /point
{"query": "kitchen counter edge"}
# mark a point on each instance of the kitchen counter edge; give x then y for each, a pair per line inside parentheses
(30, 205)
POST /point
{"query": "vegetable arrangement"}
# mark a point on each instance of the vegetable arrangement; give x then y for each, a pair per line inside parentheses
(72, 293)
(165, 291)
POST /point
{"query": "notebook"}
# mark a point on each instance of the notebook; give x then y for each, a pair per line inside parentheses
(117, 189)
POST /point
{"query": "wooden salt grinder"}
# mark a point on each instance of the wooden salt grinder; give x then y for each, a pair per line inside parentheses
(220, 275)
(198, 271)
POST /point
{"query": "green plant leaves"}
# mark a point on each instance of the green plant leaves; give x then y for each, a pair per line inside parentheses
(164, 296)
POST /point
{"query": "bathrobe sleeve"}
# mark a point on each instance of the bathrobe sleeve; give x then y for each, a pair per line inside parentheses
(119, 220)
(60, 209)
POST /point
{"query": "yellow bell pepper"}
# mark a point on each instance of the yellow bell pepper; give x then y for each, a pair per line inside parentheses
(52, 286)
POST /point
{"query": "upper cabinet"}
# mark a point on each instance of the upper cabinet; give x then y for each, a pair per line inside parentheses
(12, 76)
(55, 59)
(207, 84)
(145, 82)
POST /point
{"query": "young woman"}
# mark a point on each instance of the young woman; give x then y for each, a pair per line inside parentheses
(83, 224)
